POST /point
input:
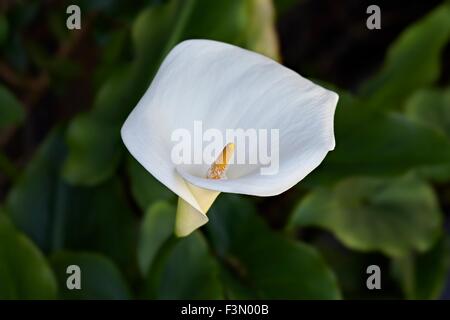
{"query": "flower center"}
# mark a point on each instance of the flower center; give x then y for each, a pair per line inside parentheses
(219, 167)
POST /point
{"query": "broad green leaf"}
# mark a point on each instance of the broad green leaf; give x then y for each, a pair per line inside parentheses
(393, 216)
(144, 187)
(98, 219)
(187, 271)
(11, 110)
(24, 273)
(412, 62)
(269, 265)
(31, 201)
(432, 107)
(423, 276)
(83, 135)
(56, 215)
(372, 143)
(100, 278)
(157, 227)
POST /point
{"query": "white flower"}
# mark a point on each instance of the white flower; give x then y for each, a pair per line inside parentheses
(227, 87)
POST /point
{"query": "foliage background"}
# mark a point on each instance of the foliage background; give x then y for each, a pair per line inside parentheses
(71, 194)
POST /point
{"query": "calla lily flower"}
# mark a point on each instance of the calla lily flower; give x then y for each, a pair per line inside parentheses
(227, 87)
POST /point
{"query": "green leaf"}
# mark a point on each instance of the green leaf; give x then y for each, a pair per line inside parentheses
(187, 271)
(56, 215)
(432, 107)
(31, 201)
(98, 219)
(24, 273)
(223, 20)
(269, 265)
(93, 138)
(144, 187)
(163, 25)
(100, 278)
(11, 110)
(157, 227)
(248, 23)
(114, 50)
(412, 62)
(94, 155)
(423, 276)
(392, 216)
(378, 144)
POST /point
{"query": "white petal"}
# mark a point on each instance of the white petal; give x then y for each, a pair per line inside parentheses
(188, 219)
(227, 87)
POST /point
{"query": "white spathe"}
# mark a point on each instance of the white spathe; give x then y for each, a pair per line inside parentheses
(227, 87)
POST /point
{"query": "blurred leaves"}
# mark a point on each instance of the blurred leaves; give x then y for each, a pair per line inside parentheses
(248, 260)
(56, 215)
(432, 107)
(372, 141)
(271, 266)
(395, 217)
(157, 227)
(378, 144)
(24, 273)
(93, 138)
(11, 110)
(100, 279)
(180, 268)
(31, 202)
(412, 62)
(186, 271)
(94, 157)
(423, 276)
(94, 154)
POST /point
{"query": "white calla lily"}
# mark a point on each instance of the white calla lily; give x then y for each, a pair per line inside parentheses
(227, 87)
